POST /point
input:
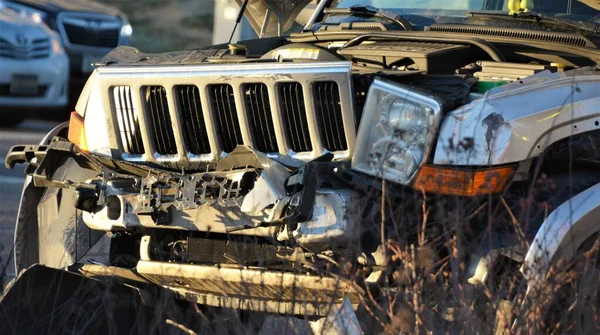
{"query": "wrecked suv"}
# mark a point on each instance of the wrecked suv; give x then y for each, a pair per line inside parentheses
(296, 174)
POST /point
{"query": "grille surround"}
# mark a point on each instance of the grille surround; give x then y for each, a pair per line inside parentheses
(203, 77)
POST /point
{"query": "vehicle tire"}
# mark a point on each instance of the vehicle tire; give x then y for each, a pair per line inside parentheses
(12, 118)
(549, 193)
(575, 307)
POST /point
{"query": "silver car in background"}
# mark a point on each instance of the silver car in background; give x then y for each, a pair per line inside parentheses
(34, 69)
(87, 29)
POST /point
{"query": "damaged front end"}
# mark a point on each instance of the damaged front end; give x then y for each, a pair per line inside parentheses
(248, 193)
(251, 234)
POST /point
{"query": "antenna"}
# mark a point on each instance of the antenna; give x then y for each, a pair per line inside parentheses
(239, 18)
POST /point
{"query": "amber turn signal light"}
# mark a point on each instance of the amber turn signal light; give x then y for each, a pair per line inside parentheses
(77, 131)
(435, 179)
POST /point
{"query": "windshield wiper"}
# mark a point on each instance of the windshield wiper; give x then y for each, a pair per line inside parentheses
(539, 18)
(370, 11)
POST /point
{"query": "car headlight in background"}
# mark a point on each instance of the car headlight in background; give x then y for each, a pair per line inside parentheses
(27, 12)
(396, 131)
(37, 17)
(127, 30)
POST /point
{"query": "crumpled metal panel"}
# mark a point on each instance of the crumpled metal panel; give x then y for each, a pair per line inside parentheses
(212, 201)
(63, 238)
(335, 221)
(518, 121)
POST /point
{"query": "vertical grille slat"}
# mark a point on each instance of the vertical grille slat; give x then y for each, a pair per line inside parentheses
(228, 125)
(128, 121)
(189, 107)
(260, 118)
(329, 115)
(127, 118)
(294, 116)
(160, 120)
(134, 124)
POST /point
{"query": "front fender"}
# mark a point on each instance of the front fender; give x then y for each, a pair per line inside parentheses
(48, 228)
(562, 233)
(520, 120)
(25, 239)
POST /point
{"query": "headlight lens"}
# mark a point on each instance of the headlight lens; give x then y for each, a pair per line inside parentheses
(126, 30)
(37, 17)
(396, 130)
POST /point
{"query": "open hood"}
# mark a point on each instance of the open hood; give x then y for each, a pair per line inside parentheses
(280, 14)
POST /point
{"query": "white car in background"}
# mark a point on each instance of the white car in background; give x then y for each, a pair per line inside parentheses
(34, 69)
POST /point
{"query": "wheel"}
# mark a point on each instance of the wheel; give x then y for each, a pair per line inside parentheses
(549, 192)
(575, 307)
(568, 302)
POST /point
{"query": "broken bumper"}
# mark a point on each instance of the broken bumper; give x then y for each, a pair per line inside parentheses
(251, 289)
(41, 291)
(316, 205)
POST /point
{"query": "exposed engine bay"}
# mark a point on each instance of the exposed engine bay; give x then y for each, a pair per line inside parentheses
(282, 80)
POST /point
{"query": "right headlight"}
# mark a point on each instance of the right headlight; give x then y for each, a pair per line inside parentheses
(396, 131)
(126, 30)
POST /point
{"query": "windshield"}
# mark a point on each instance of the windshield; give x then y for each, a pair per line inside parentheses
(580, 10)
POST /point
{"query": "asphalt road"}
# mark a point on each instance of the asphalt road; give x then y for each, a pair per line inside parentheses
(11, 184)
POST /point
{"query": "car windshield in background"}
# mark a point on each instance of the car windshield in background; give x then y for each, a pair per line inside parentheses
(576, 10)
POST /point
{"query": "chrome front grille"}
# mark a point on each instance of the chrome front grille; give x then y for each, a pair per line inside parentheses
(197, 114)
(38, 48)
